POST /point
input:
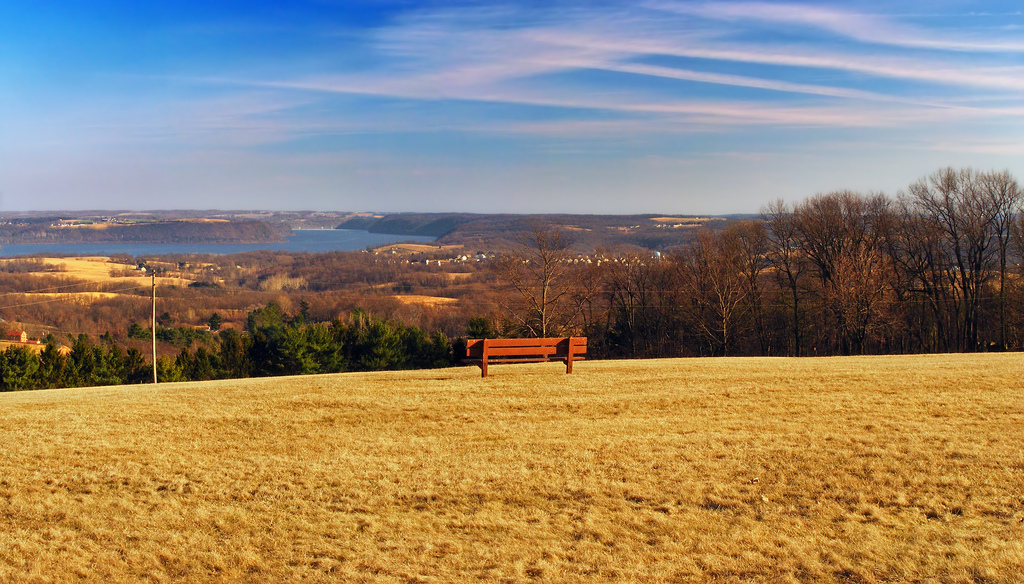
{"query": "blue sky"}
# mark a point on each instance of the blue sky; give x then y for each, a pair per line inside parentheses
(659, 106)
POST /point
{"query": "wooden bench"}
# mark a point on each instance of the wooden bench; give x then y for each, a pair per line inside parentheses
(484, 352)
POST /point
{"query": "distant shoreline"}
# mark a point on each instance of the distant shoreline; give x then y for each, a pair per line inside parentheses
(302, 240)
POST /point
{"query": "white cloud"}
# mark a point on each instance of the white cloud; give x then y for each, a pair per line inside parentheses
(885, 66)
(869, 28)
(521, 66)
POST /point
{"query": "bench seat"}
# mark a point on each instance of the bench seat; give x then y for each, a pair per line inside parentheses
(484, 352)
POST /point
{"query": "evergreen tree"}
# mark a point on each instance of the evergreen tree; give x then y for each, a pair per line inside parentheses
(234, 360)
(81, 364)
(167, 371)
(480, 327)
(52, 365)
(135, 369)
(18, 368)
(136, 331)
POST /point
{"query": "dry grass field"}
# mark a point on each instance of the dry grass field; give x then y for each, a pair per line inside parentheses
(83, 298)
(97, 269)
(695, 221)
(874, 469)
(404, 248)
(422, 300)
(35, 348)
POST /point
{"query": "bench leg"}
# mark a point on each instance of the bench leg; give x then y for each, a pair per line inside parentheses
(568, 363)
(483, 357)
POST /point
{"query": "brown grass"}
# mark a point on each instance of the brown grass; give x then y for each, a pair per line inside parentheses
(92, 269)
(83, 298)
(421, 300)
(34, 347)
(98, 269)
(881, 469)
(403, 248)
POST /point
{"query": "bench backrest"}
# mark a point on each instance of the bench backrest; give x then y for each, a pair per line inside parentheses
(546, 347)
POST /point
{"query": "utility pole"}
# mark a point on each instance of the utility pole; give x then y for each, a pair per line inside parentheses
(153, 323)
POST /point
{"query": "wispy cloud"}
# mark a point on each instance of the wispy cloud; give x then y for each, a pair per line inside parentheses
(541, 59)
(868, 28)
(1001, 148)
(938, 71)
(741, 81)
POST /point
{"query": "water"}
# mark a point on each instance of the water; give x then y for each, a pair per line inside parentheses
(310, 240)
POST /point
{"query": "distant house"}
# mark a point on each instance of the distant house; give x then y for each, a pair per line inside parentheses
(17, 336)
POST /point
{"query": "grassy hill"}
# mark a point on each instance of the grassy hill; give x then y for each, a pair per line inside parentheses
(827, 470)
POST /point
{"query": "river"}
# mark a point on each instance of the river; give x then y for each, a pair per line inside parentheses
(308, 240)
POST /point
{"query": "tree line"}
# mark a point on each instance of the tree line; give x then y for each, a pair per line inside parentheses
(938, 268)
(273, 343)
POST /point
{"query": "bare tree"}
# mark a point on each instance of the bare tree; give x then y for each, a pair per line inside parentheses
(711, 273)
(1004, 195)
(1018, 241)
(540, 270)
(842, 233)
(785, 255)
(915, 248)
(860, 292)
(955, 202)
(752, 246)
(639, 289)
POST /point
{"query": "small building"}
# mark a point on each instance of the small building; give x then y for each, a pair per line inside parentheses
(17, 336)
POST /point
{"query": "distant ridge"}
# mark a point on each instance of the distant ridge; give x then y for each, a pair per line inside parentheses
(427, 224)
(52, 230)
(652, 231)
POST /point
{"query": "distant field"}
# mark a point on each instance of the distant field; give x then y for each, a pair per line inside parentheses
(84, 298)
(694, 220)
(34, 347)
(404, 248)
(97, 269)
(424, 300)
(874, 469)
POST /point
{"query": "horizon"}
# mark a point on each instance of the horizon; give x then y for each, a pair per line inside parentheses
(340, 212)
(608, 108)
